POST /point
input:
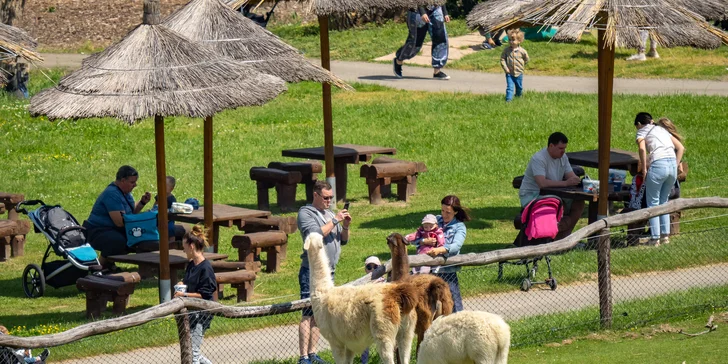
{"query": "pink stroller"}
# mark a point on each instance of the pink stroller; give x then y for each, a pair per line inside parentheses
(537, 224)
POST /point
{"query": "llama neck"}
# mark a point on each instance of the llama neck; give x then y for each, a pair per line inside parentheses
(318, 264)
(400, 262)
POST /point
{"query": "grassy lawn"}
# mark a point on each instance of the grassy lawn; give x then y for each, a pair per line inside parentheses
(547, 58)
(472, 145)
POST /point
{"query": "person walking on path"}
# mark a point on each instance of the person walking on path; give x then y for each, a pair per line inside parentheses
(513, 62)
(421, 21)
(318, 218)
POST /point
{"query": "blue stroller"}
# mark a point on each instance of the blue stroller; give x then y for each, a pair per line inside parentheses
(67, 239)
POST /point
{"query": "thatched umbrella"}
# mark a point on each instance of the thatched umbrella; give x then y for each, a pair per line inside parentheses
(619, 23)
(16, 41)
(155, 72)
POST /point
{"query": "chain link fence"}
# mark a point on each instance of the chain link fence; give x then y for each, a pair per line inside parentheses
(650, 284)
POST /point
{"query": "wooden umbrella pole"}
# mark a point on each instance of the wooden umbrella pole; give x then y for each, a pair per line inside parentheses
(165, 293)
(328, 119)
(208, 181)
(606, 80)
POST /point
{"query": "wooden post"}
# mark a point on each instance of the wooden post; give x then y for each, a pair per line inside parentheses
(185, 339)
(207, 201)
(328, 121)
(165, 293)
(606, 81)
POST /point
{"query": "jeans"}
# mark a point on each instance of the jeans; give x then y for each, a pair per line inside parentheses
(454, 284)
(511, 83)
(416, 36)
(661, 177)
(198, 331)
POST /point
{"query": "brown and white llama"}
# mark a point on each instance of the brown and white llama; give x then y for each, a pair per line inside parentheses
(351, 318)
(433, 294)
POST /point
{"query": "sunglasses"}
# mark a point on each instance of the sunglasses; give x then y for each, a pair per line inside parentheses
(371, 266)
(326, 198)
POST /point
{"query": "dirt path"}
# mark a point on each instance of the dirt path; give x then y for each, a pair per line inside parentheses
(281, 342)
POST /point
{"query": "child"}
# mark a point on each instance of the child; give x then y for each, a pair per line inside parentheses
(171, 182)
(24, 353)
(370, 265)
(513, 61)
(427, 237)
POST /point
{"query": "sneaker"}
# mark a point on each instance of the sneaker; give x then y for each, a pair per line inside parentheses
(486, 46)
(315, 359)
(441, 76)
(665, 239)
(653, 54)
(44, 354)
(637, 57)
(397, 68)
(303, 360)
(654, 242)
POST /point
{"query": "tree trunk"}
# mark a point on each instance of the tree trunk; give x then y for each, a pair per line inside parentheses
(10, 10)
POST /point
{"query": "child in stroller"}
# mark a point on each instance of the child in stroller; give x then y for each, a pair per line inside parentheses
(537, 224)
(67, 239)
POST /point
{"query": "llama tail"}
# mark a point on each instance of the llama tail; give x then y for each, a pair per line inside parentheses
(405, 295)
(439, 292)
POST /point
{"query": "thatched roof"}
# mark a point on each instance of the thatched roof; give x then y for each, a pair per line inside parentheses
(214, 24)
(329, 7)
(666, 20)
(155, 71)
(17, 41)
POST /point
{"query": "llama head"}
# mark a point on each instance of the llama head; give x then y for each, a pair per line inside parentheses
(396, 240)
(314, 241)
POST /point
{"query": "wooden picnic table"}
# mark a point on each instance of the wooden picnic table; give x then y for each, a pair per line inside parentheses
(147, 262)
(618, 159)
(343, 154)
(577, 193)
(222, 215)
(12, 230)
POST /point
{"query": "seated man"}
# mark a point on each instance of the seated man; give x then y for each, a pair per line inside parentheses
(550, 167)
(105, 225)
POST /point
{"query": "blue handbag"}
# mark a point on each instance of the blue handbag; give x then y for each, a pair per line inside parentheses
(141, 227)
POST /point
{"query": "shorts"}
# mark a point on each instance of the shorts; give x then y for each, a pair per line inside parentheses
(304, 282)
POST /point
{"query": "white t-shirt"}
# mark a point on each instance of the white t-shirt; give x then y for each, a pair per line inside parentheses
(658, 142)
(541, 164)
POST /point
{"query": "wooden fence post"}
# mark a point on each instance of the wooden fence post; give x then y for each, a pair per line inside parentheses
(605, 281)
(185, 340)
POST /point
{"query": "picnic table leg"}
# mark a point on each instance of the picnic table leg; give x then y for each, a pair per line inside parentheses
(215, 237)
(593, 209)
(341, 174)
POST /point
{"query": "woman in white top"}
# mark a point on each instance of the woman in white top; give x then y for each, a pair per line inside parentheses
(664, 146)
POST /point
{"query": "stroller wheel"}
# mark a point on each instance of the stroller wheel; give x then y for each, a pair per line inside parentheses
(33, 281)
(525, 285)
(552, 283)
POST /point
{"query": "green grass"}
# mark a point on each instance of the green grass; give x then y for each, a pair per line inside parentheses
(472, 145)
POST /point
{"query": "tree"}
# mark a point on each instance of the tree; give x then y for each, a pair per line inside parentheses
(10, 10)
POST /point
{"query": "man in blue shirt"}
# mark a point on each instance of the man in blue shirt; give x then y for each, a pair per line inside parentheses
(105, 225)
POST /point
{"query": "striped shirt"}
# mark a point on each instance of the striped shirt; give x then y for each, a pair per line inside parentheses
(513, 60)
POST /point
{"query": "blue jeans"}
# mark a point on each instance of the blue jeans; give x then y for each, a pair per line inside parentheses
(454, 284)
(511, 83)
(661, 177)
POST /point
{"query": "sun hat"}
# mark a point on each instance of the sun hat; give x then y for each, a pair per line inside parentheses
(372, 260)
(429, 219)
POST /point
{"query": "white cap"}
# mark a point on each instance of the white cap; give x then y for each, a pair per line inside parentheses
(429, 219)
(372, 260)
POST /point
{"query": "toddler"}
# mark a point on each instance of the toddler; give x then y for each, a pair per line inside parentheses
(427, 237)
(24, 353)
(513, 61)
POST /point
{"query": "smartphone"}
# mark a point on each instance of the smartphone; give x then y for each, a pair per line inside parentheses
(346, 205)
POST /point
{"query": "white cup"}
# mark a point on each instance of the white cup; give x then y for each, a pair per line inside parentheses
(181, 288)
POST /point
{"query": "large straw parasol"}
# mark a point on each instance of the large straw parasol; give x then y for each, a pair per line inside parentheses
(16, 41)
(156, 72)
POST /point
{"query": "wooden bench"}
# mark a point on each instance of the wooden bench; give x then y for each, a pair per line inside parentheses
(285, 183)
(220, 266)
(383, 171)
(101, 289)
(309, 173)
(12, 230)
(273, 243)
(243, 280)
(285, 224)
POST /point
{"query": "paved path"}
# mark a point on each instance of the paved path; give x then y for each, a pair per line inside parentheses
(420, 79)
(281, 342)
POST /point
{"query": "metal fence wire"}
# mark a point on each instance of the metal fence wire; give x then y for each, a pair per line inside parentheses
(650, 284)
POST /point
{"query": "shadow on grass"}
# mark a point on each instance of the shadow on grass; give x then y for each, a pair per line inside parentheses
(482, 218)
(594, 54)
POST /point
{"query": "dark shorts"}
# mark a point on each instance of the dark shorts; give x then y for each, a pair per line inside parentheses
(304, 282)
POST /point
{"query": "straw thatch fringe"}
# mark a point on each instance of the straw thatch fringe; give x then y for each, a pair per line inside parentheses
(329, 7)
(233, 35)
(155, 71)
(19, 42)
(666, 20)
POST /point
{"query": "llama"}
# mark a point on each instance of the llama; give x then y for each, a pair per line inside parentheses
(466, 337)
(433, 294)
(351, 318)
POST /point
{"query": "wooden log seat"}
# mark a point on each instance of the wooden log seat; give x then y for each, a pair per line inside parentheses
(243, 280)
(273, 243)
(116, 288)
(383, 171)
(309, 173)
(285, 224)
(285, 183)
(12, 238)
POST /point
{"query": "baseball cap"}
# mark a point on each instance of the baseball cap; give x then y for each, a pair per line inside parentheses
(429, 219)
(372, 260)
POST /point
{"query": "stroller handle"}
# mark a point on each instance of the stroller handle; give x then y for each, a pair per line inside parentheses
(19, 207)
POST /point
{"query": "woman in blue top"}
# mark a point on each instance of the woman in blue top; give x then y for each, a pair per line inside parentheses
(452, 223)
